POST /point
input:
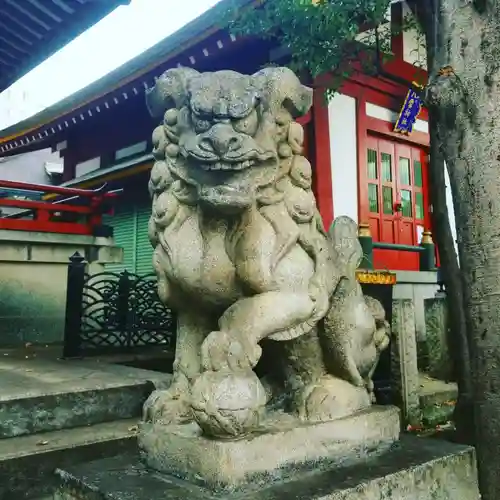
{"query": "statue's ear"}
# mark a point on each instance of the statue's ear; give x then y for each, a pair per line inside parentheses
(170, 91)
(280, 87)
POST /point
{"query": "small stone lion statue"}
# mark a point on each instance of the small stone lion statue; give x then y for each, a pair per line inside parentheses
(242, 256)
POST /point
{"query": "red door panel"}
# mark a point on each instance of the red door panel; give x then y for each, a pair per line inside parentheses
(397, 208)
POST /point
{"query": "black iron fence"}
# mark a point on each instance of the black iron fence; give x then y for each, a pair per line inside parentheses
(119, 312)
(114, 312)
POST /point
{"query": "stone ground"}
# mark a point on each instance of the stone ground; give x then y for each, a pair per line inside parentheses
(35, 370)
(414, 469)
(55, 411)
(36, 376)
(430, 387)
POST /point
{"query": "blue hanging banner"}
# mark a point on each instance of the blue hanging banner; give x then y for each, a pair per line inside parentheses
(409, 113)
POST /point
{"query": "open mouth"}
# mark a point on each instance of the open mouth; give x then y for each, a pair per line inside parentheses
(227, 166)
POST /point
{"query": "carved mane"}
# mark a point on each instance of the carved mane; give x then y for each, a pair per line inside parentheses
(287, 202)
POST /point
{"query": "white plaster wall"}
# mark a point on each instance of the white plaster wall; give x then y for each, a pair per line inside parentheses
(388, 115)
(343, 154)
(87, 166)
(414, 50)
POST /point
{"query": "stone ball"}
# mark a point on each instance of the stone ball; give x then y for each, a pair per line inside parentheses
(159, 138)
(284, 150)
(172, 150)
(296, 137)
(228, 404)
(171, 117)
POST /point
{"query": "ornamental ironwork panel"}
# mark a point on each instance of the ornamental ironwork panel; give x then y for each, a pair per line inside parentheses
(124, 310)
(114, 312)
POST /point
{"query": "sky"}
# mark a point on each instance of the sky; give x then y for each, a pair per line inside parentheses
(119, 37)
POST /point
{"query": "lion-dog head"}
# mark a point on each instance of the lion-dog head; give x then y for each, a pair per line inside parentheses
(222, 131)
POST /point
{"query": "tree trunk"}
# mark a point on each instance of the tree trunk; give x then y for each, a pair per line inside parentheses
(457, 339)
(463, 95)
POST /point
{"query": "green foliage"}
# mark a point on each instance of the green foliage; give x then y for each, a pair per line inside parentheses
(325, 37)
(335, 37)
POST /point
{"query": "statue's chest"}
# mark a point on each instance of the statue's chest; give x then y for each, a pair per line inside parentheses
(200, 264)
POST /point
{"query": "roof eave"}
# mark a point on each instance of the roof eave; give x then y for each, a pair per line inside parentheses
(91, 14)
(160, 53)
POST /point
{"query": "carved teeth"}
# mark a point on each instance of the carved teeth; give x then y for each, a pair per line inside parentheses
(227, 166)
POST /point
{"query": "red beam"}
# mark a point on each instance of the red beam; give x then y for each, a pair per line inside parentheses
(48, 207)
(43, 188)
(42, 211)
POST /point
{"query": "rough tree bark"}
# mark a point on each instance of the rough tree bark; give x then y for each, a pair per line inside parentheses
(457, 339)
(464, 96)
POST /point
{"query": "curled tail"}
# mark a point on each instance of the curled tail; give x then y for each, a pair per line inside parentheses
(343, 235)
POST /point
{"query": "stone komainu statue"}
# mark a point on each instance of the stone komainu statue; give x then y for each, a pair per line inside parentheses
(242, 256)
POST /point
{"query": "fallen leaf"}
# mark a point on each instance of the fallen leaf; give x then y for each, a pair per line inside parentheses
(415, 428)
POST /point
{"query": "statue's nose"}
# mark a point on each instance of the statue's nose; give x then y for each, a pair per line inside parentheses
(220, 139)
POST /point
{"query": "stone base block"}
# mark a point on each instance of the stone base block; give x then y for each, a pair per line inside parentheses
(278, 450)
(414, 469)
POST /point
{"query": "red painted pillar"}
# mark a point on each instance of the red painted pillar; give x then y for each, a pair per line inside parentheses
(320, 153)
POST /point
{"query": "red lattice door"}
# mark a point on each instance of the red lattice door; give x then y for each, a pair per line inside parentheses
(397, 206)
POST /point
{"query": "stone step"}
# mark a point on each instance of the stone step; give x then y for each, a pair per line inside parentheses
(41, 395)
(27, 463)
(435, 392)
(437, 400)
(416, 469)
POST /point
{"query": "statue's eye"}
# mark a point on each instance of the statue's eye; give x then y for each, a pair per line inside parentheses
(247, 125)
(201, 125)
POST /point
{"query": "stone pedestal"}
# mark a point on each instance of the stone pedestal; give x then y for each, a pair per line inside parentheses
(414, 469)
(281, 448)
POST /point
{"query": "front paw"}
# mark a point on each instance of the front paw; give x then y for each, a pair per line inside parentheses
(167, 407)
(330, 399)
(223, 351)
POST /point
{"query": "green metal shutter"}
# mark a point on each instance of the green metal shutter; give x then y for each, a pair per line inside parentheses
(143, 249)
(123, 223)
